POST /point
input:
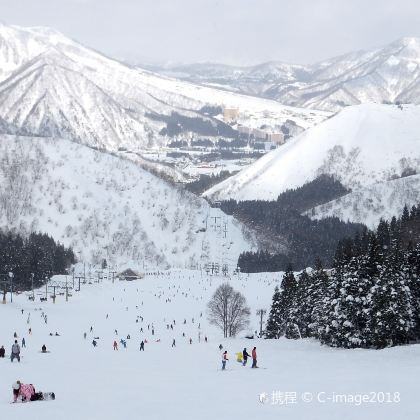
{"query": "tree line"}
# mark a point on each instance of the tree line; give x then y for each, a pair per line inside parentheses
(369, 299)
(37, 254)
(290, 236)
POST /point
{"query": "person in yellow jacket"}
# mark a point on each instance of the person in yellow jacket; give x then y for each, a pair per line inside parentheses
(239, 357)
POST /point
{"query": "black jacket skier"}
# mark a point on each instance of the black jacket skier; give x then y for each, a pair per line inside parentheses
(245, 356)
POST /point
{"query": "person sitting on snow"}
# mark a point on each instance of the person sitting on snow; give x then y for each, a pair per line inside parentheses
(26, 392)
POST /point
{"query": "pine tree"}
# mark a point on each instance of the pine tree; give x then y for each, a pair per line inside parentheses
(393, 319)
(272, 329)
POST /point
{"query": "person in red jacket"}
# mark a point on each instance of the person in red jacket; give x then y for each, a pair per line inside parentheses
(254, 357)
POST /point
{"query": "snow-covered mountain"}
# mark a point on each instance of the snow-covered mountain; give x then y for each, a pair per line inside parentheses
(53, 86)
(361, 146)
(387, 74)
(104, 206)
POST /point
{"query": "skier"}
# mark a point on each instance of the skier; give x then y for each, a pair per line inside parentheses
(27, 393)
(23, 342)
(245, 356)
(142, 346)
(220, 347)
(91, 329)
(224, 359)
(115, 345)
(84, 336)
(254, 357)
(30, 331)
(173, 343)
(15, 352)
(2, 352)
(190, 340)
(94, 343)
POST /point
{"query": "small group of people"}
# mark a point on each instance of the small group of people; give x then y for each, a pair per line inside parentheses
(241, 357)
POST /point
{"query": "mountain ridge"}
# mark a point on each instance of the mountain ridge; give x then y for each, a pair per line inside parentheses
(329, 84)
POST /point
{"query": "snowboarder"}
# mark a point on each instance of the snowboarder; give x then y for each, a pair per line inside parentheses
(224, 359)
(2, 352)
(27, 393)
(15, 352)
(142, 346)
(254, 357)
(245, 356)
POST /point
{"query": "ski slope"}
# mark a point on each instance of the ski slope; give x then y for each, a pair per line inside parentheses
(185, 382)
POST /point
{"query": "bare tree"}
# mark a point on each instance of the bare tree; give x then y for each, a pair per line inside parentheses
(227, 309)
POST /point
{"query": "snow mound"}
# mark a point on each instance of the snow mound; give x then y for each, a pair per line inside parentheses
(368, 205)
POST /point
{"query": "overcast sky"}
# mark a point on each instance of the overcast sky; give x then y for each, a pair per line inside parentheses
(227, 31)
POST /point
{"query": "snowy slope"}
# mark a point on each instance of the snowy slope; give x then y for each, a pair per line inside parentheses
(387, 74)
(368, 205)
(107, 207)
(51, 85)
(185, 382)
(360, 146)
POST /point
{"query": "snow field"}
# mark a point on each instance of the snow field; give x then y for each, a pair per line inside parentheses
(184, 382)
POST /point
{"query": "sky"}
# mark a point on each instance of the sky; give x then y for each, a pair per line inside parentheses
(236, 32)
